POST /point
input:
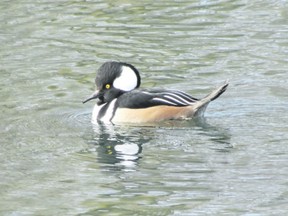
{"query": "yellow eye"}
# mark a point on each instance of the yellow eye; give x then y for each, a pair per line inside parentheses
(107, 86)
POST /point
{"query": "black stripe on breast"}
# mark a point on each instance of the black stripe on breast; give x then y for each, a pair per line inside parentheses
(102, 111)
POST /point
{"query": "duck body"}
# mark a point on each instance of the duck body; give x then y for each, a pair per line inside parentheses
(120, 100)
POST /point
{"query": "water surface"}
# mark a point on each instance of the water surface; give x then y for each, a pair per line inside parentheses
(53, 161)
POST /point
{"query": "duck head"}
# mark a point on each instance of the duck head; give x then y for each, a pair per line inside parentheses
(112, 80)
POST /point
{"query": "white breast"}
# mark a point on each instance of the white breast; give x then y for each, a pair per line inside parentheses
(95, 113)
(108, 114)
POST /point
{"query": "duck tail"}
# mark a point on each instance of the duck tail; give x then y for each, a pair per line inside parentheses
(202, 104)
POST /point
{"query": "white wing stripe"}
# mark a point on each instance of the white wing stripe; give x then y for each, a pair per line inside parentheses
(175, 100)
(165, 101)
(184, 100)
(184, 95)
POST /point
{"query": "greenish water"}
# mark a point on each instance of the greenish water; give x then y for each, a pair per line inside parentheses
(53, 161)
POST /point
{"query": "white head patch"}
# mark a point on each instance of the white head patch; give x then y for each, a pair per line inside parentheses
(127, 80)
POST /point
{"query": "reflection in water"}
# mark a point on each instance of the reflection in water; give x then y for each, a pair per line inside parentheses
(158, 165)
(121, 145)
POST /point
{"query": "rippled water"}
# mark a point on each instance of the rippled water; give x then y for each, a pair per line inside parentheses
(53, 161)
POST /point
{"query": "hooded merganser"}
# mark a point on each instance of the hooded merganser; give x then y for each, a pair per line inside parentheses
(119, 100)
